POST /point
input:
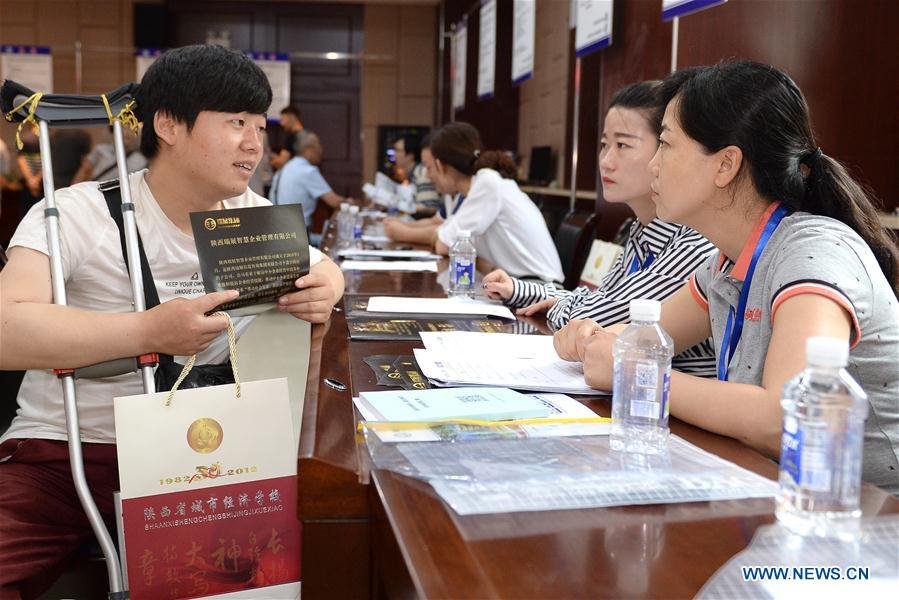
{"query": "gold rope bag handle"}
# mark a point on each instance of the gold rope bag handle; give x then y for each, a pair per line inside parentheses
(232, 350)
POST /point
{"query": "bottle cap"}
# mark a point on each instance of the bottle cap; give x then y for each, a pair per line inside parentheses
(645, 310)
(463, 233)
(827, 352)
(354, 209)
(344, 206)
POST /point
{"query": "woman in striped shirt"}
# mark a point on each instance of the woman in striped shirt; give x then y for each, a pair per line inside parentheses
(659, 257)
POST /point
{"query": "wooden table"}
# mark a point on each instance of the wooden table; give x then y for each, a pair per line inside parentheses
(395, 538)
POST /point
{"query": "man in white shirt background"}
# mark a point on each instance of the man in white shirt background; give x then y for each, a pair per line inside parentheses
(300, 181)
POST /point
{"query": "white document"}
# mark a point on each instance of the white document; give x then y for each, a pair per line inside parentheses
(458, 63)
(525, 12)
(32, 66)
(672, 9)
(594, 26)
(423, 266)
(383, 182)
(143, 58)
(507, 345)
(535, 374)
(375, 239)
(419, 254)
(276, 66)
(438, 306)
(487, 49)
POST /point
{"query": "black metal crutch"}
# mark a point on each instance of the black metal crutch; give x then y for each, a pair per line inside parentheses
(66, 111)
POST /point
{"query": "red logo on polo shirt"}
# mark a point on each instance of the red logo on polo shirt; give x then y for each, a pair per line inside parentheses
(753, 314)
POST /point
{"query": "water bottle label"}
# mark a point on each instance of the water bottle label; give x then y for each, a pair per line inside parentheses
(357, 232)
(791, 449)
(647, 375)
(666, 385)
(645, 409)
(463, 273)
(816, 463)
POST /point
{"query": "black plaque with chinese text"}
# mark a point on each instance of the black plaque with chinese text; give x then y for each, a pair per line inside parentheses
(258, 251)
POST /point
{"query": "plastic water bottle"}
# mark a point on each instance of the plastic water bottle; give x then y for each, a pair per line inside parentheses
(642, 375)
(354, 229)
(342, 221)
(821, 445)
(463, 256)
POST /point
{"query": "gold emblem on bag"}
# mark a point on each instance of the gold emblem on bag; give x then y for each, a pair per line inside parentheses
(205, 435)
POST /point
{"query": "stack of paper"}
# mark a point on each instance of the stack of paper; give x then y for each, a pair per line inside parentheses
(427, 266)
(499, 359)
(438, 306)
(564, 417)
(398, 254)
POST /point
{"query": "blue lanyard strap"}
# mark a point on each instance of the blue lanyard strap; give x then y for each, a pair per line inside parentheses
(458, 204)
(636, 266)
(734, 328)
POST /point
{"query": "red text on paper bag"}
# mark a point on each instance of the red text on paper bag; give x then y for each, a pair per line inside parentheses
(213, 540)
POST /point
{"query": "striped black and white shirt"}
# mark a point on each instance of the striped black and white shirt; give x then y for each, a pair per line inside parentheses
(657, 261)
(425, 192)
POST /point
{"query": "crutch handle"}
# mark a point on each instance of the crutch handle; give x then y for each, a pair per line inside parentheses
(111, 368)
(64, 110)
(146, 360)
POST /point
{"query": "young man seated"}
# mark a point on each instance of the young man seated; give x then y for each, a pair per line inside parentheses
(203, 109)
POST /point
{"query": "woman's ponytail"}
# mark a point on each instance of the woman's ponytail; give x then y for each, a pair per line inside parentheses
(832, 192)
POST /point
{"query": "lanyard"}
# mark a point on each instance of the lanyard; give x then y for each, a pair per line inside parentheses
(734, 329)
(636, 266)
(458, 204)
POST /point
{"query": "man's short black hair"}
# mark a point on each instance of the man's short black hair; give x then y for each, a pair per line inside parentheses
(291, 110)
(185, 81)
(411, 145)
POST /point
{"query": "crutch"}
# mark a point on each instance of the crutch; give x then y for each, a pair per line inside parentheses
(64, 111)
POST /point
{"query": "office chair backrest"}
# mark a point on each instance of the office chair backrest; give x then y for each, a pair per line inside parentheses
(573, 239)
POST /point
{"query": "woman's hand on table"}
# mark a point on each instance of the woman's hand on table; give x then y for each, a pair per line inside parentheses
(569, 341)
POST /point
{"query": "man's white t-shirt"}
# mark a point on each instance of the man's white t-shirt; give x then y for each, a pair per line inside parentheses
(96, 279)
(507, 228)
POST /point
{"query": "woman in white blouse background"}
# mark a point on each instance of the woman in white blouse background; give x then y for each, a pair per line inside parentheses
(507, 227)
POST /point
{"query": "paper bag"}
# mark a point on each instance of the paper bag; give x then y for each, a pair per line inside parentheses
(600, 260)
(208, 487)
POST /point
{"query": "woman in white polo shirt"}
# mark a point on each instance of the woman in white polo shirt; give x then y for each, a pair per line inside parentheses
(800, 254)
(507, 227)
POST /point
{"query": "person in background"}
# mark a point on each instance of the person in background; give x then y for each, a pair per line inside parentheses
(71, 148)
(291, 123)
(7, 178)
(407, 152)
(261, 181)
(103, 160)
(29, 161)
(300, 181)
(424, 231)
(658, 258)
(800, 254)
(507, 227)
